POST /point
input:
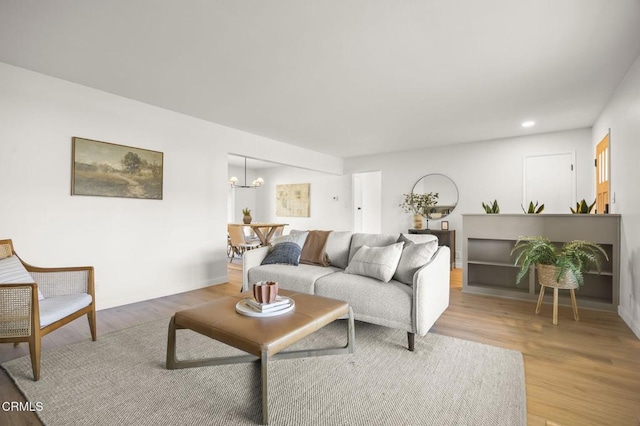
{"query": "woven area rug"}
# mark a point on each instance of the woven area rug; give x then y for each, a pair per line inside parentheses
(121, 380)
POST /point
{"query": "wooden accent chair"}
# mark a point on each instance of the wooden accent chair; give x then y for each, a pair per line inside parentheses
(238, 243)
(66, 294)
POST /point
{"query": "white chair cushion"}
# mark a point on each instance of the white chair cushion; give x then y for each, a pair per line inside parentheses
(53, 309)
(12, 272)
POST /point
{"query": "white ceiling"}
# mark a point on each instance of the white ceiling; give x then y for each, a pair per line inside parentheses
(252, 163)
(344, 77)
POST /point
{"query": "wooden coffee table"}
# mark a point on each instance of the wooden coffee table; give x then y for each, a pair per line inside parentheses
(263, 339)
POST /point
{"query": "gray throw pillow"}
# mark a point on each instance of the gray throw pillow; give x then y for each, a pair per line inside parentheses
(414, 256)
(376, 262)
(286, 253)
(417, 238)
(12, 272)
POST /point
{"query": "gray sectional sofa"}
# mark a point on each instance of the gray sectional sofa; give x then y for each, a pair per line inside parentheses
(412, 306)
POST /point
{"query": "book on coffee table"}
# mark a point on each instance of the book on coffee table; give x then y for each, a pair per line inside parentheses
(244, 308)
(276, 305)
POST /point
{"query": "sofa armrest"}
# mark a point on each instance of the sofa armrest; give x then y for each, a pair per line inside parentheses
(251, 259)
(431, 287)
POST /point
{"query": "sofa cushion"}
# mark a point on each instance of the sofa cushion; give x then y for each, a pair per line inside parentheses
(414, 256)
(372, 240)
(314, 250)
(53, 309)
(389, 304)
(12, 271)
(296, 278)
(287, 253)
(376, 262)
(338, 248)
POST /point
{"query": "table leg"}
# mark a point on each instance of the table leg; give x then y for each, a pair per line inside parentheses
(272, 231)
(173, 363)
(555, 306)
(540, 299)
(349, 348)
(264, 367)
(574, 304)
(260, 234)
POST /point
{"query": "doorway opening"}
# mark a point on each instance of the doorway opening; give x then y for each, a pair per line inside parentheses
(603, 173)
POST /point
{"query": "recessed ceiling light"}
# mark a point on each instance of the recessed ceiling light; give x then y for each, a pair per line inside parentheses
(528, 123)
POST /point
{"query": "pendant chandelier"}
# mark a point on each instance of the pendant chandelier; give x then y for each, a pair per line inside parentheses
(233, 181)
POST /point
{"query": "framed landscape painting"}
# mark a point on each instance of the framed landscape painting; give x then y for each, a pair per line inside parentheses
(108, 170)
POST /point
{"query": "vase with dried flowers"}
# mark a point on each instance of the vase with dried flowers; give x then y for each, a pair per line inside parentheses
(418, 204)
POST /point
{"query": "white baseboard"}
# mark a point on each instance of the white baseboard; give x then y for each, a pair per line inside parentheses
(155, 293)
(627, 317)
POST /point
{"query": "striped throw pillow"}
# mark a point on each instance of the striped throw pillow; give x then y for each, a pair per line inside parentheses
(12, 272)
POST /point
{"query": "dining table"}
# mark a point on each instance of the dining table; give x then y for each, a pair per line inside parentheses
(264, 231)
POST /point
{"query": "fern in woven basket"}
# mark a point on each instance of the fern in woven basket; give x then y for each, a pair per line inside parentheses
(574, 257)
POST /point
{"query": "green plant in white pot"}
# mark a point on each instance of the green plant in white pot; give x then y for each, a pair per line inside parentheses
(561, 267)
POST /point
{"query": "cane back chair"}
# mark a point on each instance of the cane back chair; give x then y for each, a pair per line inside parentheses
(66, 294)
(238, 243)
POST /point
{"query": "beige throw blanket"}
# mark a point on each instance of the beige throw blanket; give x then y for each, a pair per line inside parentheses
(314, 250)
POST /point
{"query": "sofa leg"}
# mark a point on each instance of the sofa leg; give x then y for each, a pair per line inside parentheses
(412, 341)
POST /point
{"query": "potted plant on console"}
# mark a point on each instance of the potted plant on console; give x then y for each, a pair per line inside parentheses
(418, 204)
(558, 267)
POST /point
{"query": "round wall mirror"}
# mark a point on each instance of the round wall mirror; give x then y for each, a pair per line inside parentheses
(447, 191)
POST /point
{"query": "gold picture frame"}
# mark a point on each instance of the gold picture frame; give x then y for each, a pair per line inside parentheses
(105, 169)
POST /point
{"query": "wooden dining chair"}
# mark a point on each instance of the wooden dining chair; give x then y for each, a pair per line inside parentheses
(35, 301)
(238, 243)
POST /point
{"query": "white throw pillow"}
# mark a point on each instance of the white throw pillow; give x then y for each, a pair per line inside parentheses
(12, 272)
(298, 237)
(376, 262)
(414, 257)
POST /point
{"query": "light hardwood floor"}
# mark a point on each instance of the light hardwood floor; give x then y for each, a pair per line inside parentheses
(577, 373)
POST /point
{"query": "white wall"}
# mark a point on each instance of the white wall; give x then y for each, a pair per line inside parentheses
(141, 249)
(483, 171)
(622, 116)
(326, 212)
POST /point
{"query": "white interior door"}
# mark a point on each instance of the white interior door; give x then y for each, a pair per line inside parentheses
(550, 180)
(367, 202)
(357, 203)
